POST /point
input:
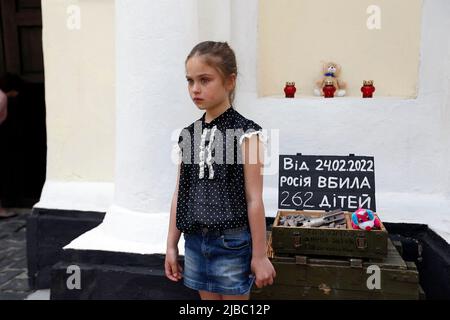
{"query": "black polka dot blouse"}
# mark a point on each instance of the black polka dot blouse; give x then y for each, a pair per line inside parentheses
(211, 192)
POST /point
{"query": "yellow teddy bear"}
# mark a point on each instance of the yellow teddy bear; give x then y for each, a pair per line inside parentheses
(331, 71)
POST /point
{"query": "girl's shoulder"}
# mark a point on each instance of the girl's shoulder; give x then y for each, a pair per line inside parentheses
(241, 122)
(248, 128)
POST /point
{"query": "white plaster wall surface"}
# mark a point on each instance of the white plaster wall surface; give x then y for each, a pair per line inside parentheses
(79, 60)
(408, 138)
(302, 33)
(80, 196)
(152, 40)
(80, 104)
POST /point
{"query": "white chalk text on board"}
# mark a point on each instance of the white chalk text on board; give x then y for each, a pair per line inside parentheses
(326, 182)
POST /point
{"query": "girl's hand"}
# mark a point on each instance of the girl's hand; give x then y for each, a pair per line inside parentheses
(263, 270)
(172, 267)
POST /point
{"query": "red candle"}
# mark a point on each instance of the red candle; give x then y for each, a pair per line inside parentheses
(329, 89)
(289, 89)
(368, 89)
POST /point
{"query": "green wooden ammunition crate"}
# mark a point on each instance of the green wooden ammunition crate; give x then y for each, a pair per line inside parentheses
(303, 277)
(327, 242)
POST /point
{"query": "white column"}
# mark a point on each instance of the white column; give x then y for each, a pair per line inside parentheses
(214, 20)
(244, 37)
(153, 39)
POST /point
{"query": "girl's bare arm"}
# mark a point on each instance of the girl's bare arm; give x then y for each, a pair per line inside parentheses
(174, 234)
(253, 165)
(172, 267)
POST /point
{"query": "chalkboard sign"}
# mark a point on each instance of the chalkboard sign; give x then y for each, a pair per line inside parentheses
(326, 182)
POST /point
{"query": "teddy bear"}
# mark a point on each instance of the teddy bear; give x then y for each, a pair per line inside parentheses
(331, 71)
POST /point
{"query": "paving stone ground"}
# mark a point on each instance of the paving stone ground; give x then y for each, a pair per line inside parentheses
(13, 258)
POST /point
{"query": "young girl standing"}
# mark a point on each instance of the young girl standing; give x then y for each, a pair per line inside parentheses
(217, 203)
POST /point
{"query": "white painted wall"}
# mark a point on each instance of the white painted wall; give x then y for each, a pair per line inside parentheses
(151, 43)
(296, 35)
(409, 138)
(79, 59)
(79, 79)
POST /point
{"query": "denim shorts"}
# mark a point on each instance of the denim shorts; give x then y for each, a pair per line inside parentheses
(219, 262)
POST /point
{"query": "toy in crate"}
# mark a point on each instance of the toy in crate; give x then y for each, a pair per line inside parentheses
(365, 219)
(336, 233)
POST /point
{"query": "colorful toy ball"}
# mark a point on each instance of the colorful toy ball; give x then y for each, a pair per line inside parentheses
(365, 219)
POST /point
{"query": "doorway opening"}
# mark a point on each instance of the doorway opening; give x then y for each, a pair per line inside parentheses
(23, 139)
